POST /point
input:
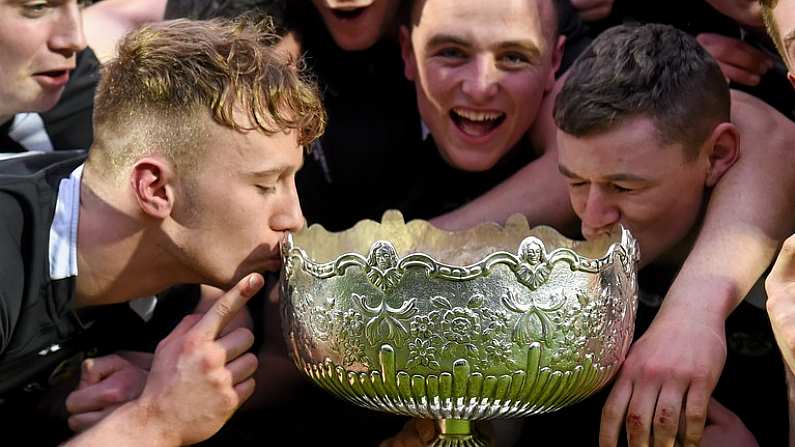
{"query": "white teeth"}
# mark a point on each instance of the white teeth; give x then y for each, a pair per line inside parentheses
(477, 116)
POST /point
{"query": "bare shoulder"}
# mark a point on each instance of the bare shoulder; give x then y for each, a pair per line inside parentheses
(757, 123)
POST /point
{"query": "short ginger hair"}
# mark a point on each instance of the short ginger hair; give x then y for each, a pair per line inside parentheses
(168, 76)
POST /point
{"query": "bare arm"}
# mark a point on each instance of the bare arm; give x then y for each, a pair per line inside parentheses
(751, 211)
(106, 22)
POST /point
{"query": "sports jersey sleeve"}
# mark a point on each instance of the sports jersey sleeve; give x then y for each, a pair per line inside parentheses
(11, 267)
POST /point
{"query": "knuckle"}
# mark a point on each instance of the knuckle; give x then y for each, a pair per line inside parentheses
(696, 415)
(693, 438)
(229, 399)
(665, 420)
(212, 359)
(611, 413)
(74, 424)
(635, 424)
(222, 309)
(111, 395)
(650, 371)
(251, 360)
(789, 246)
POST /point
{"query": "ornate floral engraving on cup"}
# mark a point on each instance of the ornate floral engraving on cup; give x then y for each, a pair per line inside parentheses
(490, 322)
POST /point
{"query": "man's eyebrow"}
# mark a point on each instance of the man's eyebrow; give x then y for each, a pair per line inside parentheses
(446, 39)
(612, 178)
(524, 45)
(276, 170)
(566, 172)
(266, 172)
(626, 178)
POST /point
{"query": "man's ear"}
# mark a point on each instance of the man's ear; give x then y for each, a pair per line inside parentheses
(152, 185)
(557, 58)
(723, 151)
(407, 51)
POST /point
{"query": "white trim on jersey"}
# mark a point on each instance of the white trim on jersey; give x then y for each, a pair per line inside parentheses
(63, 231)
(28, 130)
(63, 239)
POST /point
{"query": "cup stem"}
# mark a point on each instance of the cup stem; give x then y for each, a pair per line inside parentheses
(458, 433)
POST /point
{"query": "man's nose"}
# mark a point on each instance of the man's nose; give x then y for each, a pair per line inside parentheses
(600, 213)
(289, 216)
(481, 81)
(67, 34)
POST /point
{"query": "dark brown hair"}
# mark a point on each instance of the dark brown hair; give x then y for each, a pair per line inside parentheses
(653, 71)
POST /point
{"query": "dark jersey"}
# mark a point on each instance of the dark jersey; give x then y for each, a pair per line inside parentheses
(42, 338)
(39, 329)
(68, 125)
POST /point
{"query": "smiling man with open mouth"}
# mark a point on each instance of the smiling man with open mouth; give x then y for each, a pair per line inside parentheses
(481, 70)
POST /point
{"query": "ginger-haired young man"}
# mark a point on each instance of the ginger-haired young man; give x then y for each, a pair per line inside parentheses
(199, 129)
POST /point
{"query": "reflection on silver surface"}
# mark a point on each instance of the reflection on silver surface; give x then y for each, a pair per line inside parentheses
(490, 322)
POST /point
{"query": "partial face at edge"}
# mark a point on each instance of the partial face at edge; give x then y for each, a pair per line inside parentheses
(243, 200)
(626, 176)
(38, 44)
(481, 68)
(358, 24)
(745, 12)
(784, 16)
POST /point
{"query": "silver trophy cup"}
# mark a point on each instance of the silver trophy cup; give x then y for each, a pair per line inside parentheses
(496, 321)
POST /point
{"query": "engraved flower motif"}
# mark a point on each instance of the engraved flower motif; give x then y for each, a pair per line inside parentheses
(352, 322)
(422, 353)
(460, 325)
(422, 326)
(496, 351)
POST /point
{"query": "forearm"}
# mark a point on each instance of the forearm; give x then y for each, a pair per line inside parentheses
(132, 425)
(538, 191)
(105, 23)
(750, 212)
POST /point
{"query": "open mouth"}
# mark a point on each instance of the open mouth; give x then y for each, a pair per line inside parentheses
(53, 73)
(349, 14)
(476, 123)
(52, 78)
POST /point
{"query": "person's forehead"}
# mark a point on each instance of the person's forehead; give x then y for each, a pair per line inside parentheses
(250, 150)
(481, 17)
(632, 147)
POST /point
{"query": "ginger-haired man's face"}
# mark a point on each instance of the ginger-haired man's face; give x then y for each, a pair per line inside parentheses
(237, 205)
(625, 175)
(481, 68)
(38, 44)
(358, 24)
